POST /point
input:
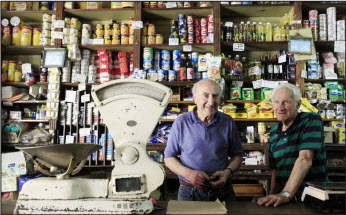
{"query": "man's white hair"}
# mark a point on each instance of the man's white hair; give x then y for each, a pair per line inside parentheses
(195, 86)
(294, 89)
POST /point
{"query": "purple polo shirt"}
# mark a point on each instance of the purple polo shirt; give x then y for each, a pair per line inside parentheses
(204, 147)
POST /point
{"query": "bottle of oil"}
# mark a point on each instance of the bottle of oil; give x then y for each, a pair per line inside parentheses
(253, 27)
(270, 68)
(269, 32)
(277, 33)
(236, 33)
(245, 68)
(248, 31)
(241, 31)
(260, 32)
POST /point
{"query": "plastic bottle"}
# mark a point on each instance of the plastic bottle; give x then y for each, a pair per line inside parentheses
(248, 31)
(277, 33)
(38, 114)
(260, 35)
(241, 31)
(236, 34)
(253, 27)
(269, 32)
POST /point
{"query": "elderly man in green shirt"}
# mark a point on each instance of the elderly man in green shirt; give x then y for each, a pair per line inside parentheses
(297, 151)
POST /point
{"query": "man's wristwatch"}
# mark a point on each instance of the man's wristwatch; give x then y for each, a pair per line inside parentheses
(286, 194)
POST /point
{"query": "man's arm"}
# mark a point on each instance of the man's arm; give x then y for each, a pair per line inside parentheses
(273, 185)
(197, 178)
(300, 169)
(223, 175)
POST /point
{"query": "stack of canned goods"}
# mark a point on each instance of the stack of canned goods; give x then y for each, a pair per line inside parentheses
(45, 39)
(323, 27)
(331, 20)
(176, 62)
(71, 31)
(148, 55)
(66, 72)
(340, 30)
(76, 65)
(84, 70)
(313, 14)
(174, 29)
(182, 26)
(86, 33)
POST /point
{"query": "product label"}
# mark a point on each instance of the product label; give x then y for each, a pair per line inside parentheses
(59, 24)
(238, 47)
(85, 98)
(339, 46)
(137, 24)
(173, 41)
(187, 48)
(81, 87)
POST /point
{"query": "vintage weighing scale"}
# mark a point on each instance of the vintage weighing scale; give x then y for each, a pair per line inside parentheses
(131, 109)
(325, 195)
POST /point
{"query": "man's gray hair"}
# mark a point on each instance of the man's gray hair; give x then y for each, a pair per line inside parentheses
(195, 86)
(294, 89)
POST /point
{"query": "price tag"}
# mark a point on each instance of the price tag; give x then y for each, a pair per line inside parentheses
(251, 161)
(59, 24)
(237, 83)
(282, 59)
(339, 46)
(238, 47)
(173, 41)
(98, 41)
(228, 24)
(87, 41)
(171, 5)
(296, 22)
(81, 87)
(69, 139)
(137, 24)
(85, 98)
(187, 48)
(256, 84)
(304, 74)
(84, 132)
(80, 78)
(70, 96)
(58, 35)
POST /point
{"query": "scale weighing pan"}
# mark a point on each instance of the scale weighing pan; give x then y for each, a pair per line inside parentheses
(327, 185)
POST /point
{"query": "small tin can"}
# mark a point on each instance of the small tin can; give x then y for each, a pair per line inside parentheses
(166, 65)
(151, 30)
(124, 29)
(194, 57)
(176, 66)
(190, 38)
(26, 34)
(124, 39)
(74, 23)
(211, 28)
(147, 64)
(144, 40)
(67, 22)
(160, 4)
(16, 36)
(11, 70)
(73, 39)
(18, 76)
(36, 37)
(131, 29)
(116, 40)
(159, 39)
(180, 4)
(153, 4)
(204, 39)
(4, 65)
(151, 40)
(161, 75)
(204, 22)
(210, 18)
(189, 20)
(176, 55)
(46, 18)
(131, 39)
(183, 73)
(148, 53)
(187, 4)
(116, 29)
(74, 31)
(197, 22)
(165, 55)
(146, 4)
(108, 40)
(46, 41)
(171, 75)
(47, 33)
(99, 26)
(190, 30)
(204, 31)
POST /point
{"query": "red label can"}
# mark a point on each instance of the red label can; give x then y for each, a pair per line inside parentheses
(204, 39)
(197, 32)
(189, 20)
(204, 31)
(211, 18)
(204, 22)
(210, 27)
(190, 38)
(197, 22)
(198, 39)
(190, 29)
(183, 73)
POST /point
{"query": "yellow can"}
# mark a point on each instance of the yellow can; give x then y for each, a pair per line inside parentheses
(116, 40)
(4, 66)
(144, 40)
(11, 70)
(73, 39)
(46, 41)
(74, 23)
(68, 22)
(99, 33)
(36, 37)
(18, 76)
(116, 4)
(25, 39)
(116, 29)
(131, 30)
(151, 30)
(108, 31)
(151, 40)
(131, 39)
(5, 5)
(127, 4)
(124, 39)
(159, 39)
(124, 29)
(16, 36)
(108, 40)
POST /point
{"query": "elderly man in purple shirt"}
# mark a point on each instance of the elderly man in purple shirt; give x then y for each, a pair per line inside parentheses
(199, 147)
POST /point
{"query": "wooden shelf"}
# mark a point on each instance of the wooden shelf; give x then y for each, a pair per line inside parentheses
(172, 13)
(21, 84)
(25, 145)
(331, 120)
(118, 14)
(249, 81)
(178, 83)
(256, 10)
(336, 168)
(323, 80)
(167, 120)
(114, 48)
(236, 120)
(156, 146)
(335, 147)
(28, 16)
(23, 50)
(255, 146)
(29, 120)
(196, 47)
(242, 101)
(258, 46)
(29, 102)
(254, 167)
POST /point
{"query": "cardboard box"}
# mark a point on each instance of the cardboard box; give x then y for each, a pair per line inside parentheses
(241, 115)
(9, 91)
(9, 184)
(265, 115)
(328, 134)
(232, 115)
(253, 115)
(13, 164)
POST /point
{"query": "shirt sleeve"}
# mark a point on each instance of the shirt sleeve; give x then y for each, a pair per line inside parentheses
(235, 144)
(173, 147)
(313, 136)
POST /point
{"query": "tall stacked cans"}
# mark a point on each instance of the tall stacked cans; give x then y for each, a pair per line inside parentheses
(313, 20)
(323, 27)
(86, 32)
(340, 30)
(197, 25)
(45, 39)
(174, 29)
(176, 64)
(182, 26)
(210, 21)
(331, 20)
(148, 55)
(190, 29)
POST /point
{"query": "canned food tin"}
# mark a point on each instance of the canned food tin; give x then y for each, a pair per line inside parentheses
(116, 40)
(176, 65)
(148, 53)
(159, 39)
(108, 32)
(127, 4)
(151, 30)
(116, 4)
(124, 39)
(165, 55)
(53, 18)
(180, 4)
(147, 64)
(131, 39)
(166, 65)
(171, 75)
(47, 33)
(99, 33)
(74, 31)
(108, 40)
(151, 40)
(189, 20)
(99, 27)
(210, 18)
(46, 41)
(11, 70)
(194, 57)
(204, 39)
(161, 75)
(67, 22)
(36, 37)
(46, 25)
(131, 30)
(74, 23)
(203, 4)
(124, 29)
(204, 22)
(16, 36)
(46, 18)
(116, 29)
(160, 4)
(261, 127)
(176, 55)
(18, 76)
(187, 4)
(197, 22)
(26, 34)
(153, 4)
(190, 38)
(190, 30)
(211, 28)
(204, 31)
(146, 4)
(5, 5)
(4, 65)
(73, 39)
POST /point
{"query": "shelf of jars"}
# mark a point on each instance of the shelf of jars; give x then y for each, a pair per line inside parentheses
(258, 46)
(111, 47)
(29, 120)
(256, 10)
(103, 14)
(21, 84)
(172, 13)
(196, 47)
(26, 16)
(23, 50)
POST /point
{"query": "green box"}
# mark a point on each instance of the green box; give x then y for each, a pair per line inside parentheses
(266, 94)
(248, 94)
(235, 93)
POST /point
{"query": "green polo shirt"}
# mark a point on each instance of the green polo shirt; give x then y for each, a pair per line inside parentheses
(305, 133)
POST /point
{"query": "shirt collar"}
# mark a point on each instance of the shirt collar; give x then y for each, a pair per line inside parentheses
(279, 129)
(195, 120)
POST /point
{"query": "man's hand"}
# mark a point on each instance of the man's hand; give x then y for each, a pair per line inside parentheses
(276, 199)
(219, 178)
(197, 178)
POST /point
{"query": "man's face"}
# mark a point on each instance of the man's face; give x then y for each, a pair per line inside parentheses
(284, 106)
(207, 99)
